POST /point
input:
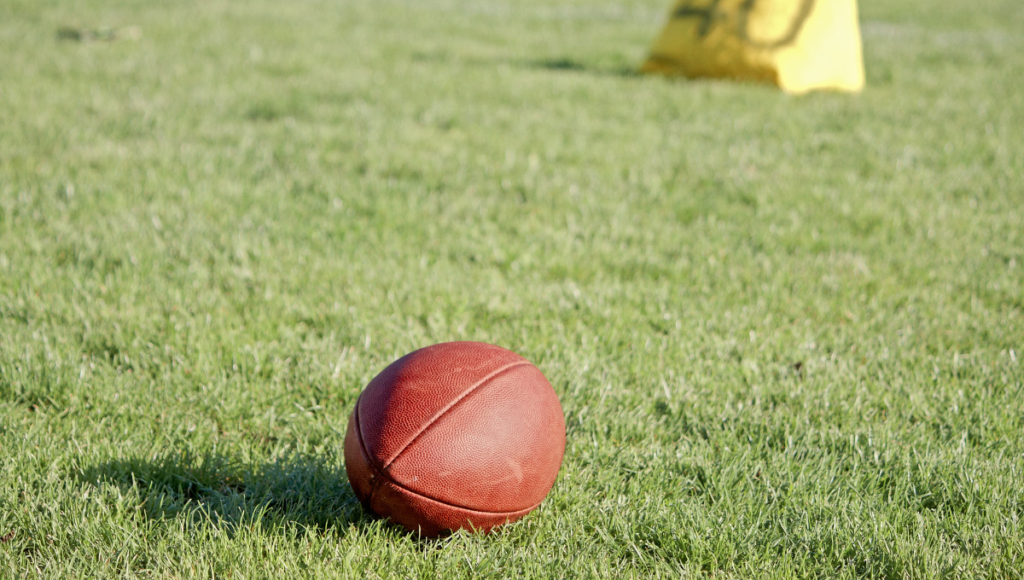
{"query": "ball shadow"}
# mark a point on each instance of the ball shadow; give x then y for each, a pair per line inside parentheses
(311, 492)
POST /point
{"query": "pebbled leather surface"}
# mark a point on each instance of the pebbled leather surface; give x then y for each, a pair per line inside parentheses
(455, 435)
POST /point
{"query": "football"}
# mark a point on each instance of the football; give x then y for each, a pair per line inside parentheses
(459, 435)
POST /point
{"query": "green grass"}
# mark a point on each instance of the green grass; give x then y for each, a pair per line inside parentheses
(786, 332)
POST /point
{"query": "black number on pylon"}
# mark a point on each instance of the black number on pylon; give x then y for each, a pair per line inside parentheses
(710, 15)
(795, 25)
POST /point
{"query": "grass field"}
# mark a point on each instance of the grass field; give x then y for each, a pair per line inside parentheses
(786, 332)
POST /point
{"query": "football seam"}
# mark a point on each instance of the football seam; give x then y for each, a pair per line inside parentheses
(523, 511)
(381, 477)
(366, 456)
(451, 406)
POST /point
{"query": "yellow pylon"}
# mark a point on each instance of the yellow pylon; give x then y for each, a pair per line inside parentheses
(799, 45)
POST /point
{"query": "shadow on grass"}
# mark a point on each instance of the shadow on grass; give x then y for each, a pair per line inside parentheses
(297, 489)
(570, 65)
(609, 68)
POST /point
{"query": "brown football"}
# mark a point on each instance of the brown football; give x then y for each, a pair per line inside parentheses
(460, 435)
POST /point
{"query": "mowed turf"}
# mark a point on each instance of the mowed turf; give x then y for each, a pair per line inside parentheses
(786, 332)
